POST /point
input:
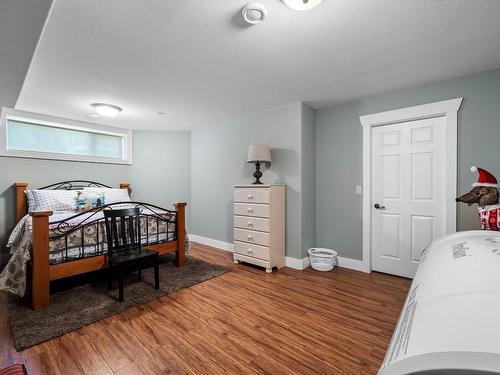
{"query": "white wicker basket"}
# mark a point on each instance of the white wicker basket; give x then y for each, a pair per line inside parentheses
(322, 259)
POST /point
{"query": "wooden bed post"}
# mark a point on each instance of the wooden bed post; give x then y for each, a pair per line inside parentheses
(40, 259)
(21, 206)
(125, 186)
(181, 233)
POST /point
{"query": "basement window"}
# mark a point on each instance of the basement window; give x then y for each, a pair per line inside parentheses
(45, 137)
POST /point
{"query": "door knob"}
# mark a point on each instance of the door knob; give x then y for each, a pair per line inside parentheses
(378, 206)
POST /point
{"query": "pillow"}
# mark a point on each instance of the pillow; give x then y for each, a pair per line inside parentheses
(52, 200)
(111, 195)
(30, 198)
(87, 200)
(490, 217)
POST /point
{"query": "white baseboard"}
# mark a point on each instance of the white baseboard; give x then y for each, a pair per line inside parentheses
(298, 264)
(226, 246)
(301, 264)
(353, 264)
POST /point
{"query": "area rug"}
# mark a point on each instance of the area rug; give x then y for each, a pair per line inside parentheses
(79, 306)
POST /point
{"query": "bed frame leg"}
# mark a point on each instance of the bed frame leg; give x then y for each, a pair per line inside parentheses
(181, 233)
(40, 259)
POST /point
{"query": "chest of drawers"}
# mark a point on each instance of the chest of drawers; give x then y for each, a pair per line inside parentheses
(259, 225)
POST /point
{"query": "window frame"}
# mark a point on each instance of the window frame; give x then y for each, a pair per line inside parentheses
(62, 123)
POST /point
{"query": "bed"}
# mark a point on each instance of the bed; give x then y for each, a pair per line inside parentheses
(51, 245)
(449, 323)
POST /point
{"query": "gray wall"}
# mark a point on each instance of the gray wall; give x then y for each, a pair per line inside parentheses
(160, 173)
(339, 152)
(219, 161)
(308, 179)
(39, 173)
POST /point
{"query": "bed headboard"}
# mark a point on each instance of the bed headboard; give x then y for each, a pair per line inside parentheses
(22, 204)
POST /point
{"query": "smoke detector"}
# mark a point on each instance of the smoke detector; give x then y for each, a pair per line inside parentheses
(302, 4)
(254, 13)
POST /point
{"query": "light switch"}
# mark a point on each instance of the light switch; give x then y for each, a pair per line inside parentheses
(359, 190)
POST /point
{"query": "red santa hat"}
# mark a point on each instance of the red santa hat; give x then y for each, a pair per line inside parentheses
(485, 178)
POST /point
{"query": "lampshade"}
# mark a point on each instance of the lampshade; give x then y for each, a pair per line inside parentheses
(258, 153)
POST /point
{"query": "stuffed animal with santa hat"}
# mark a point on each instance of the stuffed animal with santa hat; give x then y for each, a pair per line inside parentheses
(485, 193)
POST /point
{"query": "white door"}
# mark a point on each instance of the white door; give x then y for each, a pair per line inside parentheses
(408, 192)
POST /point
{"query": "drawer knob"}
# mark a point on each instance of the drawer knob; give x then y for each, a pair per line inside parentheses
(250, 251)
(249, 224)
(249, 210)
(249, 237)
(249, 196)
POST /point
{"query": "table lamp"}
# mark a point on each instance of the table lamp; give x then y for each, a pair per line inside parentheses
(258, 154)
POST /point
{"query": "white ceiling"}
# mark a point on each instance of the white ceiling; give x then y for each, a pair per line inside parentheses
(195, 61)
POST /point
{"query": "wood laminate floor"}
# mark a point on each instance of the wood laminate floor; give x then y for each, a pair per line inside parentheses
(243, 322)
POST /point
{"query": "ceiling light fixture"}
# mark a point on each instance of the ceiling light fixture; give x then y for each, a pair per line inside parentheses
(254, 13)
(106, 110)
(302, 4)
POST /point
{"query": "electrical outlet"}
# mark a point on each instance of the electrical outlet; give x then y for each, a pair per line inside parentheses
(359, 190)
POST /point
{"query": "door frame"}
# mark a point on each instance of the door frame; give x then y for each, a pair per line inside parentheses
(447, 109)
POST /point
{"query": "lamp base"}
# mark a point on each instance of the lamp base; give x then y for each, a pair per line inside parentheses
(257, 174)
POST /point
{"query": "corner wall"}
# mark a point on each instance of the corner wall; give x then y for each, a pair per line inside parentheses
(218, 155)
(161, 173)
(339, 152)
(308, 179)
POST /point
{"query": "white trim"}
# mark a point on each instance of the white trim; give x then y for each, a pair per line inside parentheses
(353, 264)
(447, 109)
(297, 264)
(487, 184)
(226, 246)
(37, 118)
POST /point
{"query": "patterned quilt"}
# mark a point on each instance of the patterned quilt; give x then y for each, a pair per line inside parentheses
(70, 241)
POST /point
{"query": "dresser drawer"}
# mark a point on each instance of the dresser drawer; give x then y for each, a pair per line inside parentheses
(259, 210)
(258, 238)
(252, 223)
(252, 195)
(251, 250)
